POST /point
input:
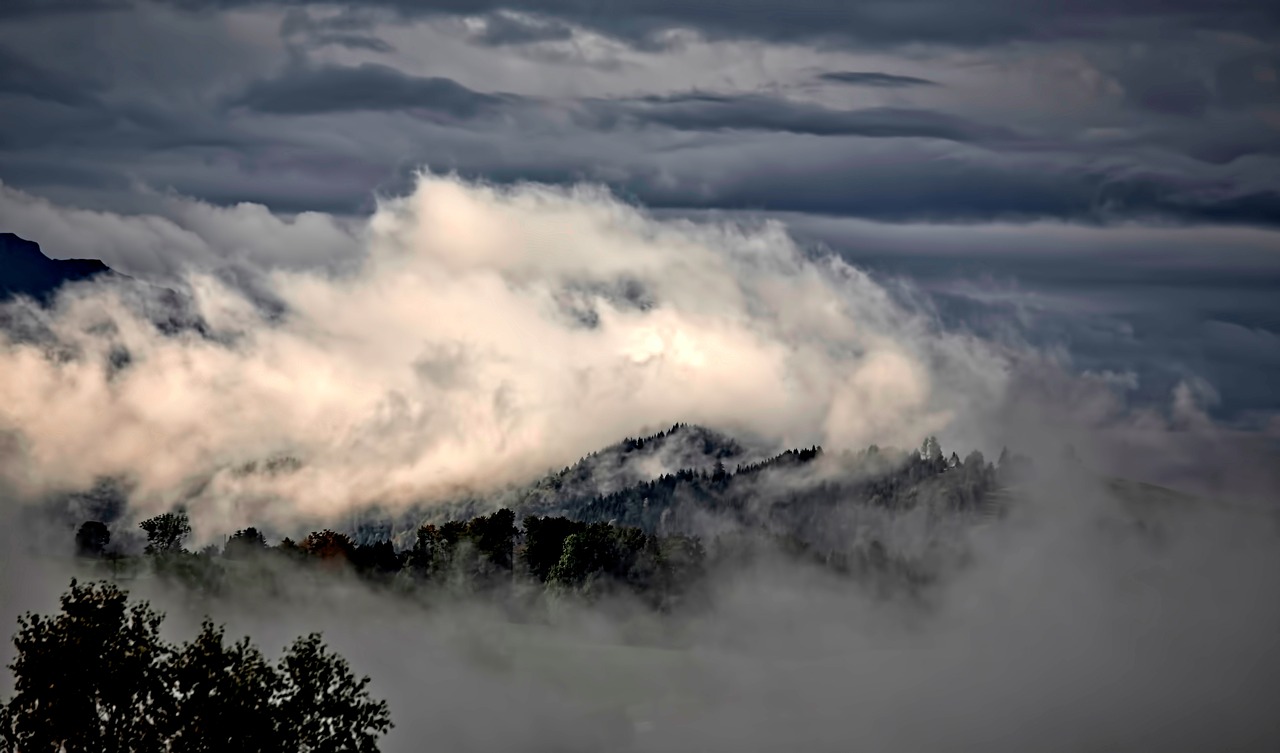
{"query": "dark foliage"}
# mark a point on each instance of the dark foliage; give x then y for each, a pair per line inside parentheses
(330, 547)
(244, 543)
(165, 533)
(640, 539)
(377, 560)
(544, 542)
(97, 678)
(92, 539)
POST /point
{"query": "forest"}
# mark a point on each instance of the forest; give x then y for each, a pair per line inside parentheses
(98, 677)
(599, 526)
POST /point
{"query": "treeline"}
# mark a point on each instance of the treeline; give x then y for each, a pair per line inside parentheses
(779, 497)
(712, 476)
(488, 556)
(650, 539)
(487, 553)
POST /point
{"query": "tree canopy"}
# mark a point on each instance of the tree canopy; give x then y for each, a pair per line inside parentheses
(165, 533)
(97, 678)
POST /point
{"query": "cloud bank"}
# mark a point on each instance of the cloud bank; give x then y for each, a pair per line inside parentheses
(485, 335)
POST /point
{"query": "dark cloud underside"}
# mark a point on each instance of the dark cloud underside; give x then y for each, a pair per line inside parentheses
(502, 29)
(365, 87)
(862, 21)
(761, 113)
(23, 77)
(876, 79)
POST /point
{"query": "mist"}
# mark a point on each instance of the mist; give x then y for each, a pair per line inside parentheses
(1075, 623)
(481, 336)
(472, 337)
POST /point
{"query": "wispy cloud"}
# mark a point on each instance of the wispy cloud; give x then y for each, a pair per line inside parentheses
(875, 79)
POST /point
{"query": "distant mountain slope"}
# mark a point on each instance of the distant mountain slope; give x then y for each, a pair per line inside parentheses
(609, 470)
(827, 501)
(25, 270)
(902, 505)
(633, 461)
(693, 480)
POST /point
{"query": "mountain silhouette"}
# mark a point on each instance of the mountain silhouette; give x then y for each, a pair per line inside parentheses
(25, 270)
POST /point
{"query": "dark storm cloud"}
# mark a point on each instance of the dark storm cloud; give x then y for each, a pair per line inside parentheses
(24, 77)
(907, 182)
(349, 28)
(1163, 304)
(502, 29)
(348, 21)
(855, 21)
(1160, 90)
(302, 91)
(1171, 155)
(1248, 81)
(753, 112)
(875, 79)
(29, 8)
(353, 41)
(1172, 80)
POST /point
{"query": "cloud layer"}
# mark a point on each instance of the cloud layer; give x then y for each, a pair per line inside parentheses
(1100, 114)
(488, 334)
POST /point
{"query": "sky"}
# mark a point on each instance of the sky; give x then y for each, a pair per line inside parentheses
(441, 246)
(1094, 182)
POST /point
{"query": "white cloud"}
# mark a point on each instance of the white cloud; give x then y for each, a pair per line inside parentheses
(182, 234)
(461, 353)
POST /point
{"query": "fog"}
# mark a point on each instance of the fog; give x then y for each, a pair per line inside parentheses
(1069, 627)
(482, 335)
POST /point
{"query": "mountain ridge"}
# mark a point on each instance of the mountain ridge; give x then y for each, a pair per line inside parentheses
(25, 270)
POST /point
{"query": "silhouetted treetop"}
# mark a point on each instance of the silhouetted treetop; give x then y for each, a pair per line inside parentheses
(165, 533)
(97, 678)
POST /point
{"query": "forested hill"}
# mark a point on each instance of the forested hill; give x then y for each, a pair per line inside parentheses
(648, 516)
(686, 480)
(690, 480)
(609, 470)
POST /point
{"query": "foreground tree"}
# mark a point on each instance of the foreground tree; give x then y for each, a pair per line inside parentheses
(227, 696)
(324, 706)
(97, 678)
(89, 679)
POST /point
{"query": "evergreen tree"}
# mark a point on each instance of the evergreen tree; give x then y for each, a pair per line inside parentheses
(931, 450)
